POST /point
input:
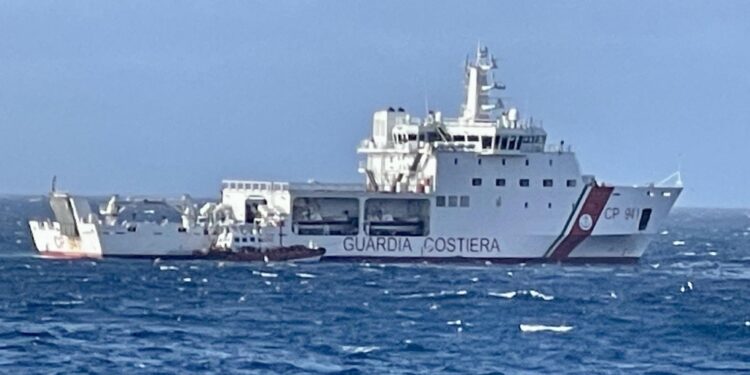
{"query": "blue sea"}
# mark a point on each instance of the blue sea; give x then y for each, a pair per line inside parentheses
(685, 308)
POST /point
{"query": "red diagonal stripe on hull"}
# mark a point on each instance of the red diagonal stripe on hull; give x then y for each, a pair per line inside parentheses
(593, 206)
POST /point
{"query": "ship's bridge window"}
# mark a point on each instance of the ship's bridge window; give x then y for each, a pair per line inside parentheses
(486, 142)
(325, 216)
(571, 183)
(397, 217)
(476, 182)
(459, 138)
(512, 143)
(499, 182)
(412, 137)
(524, 182)
(504, 144)
(472, 138)
(547, 182)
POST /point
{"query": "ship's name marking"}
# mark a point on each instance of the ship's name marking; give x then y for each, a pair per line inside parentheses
(629, 213)
(428, 245)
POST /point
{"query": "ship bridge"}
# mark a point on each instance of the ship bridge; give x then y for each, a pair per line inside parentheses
(400, 152)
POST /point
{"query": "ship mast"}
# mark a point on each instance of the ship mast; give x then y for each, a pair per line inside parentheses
(480, 83)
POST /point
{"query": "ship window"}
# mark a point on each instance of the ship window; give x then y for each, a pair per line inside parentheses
(497, 141)
(472, 138)
(645, 217)
(504, 143)
(499, 182)
(455, 161)
(547, 182)
(571, 183)
(518, 145)
(549, 205)
(440, 201)
(503, 161)
(524, 182)
(459, 138)
(236, 239)
(452, 201)
(486, 142)
(476, 182)
(512, 143)
(550, 162)
(464, 202)
(479, 161)
(498, 202)
(525, 204)
(412, 137)
(181, 230)
(527, 162)
(131, 229)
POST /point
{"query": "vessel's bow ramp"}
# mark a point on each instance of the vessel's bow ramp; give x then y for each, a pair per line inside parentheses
(486, 185)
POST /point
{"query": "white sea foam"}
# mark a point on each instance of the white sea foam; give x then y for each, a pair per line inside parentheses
(187, 280)
(747, 323)
(678, 243)
(687, 287)
(542, 328)
(712, 253)
(531, 293)
(507, 295)
(305, 275)
(454, 322)
(269, 274)
(536, 294)
(359, 349)
(168, 268)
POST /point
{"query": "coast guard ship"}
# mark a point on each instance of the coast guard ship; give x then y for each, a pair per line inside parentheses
(485, 186)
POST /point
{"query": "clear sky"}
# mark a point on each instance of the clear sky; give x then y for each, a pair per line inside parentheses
(165, 97)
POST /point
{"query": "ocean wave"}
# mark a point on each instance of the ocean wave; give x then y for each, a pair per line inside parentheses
(531, 293)
(531, 328)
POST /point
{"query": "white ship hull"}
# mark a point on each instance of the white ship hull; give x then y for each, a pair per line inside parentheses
(605, 225)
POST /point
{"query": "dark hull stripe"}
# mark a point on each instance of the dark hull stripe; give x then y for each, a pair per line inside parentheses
(593, 207)
(567, 222)
(377, 259)
(464, 260)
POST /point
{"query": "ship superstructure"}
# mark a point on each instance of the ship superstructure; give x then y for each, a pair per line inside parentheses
(122, 228)
(483, 186)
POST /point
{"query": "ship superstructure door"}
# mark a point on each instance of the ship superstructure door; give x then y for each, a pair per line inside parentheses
(63, 211)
